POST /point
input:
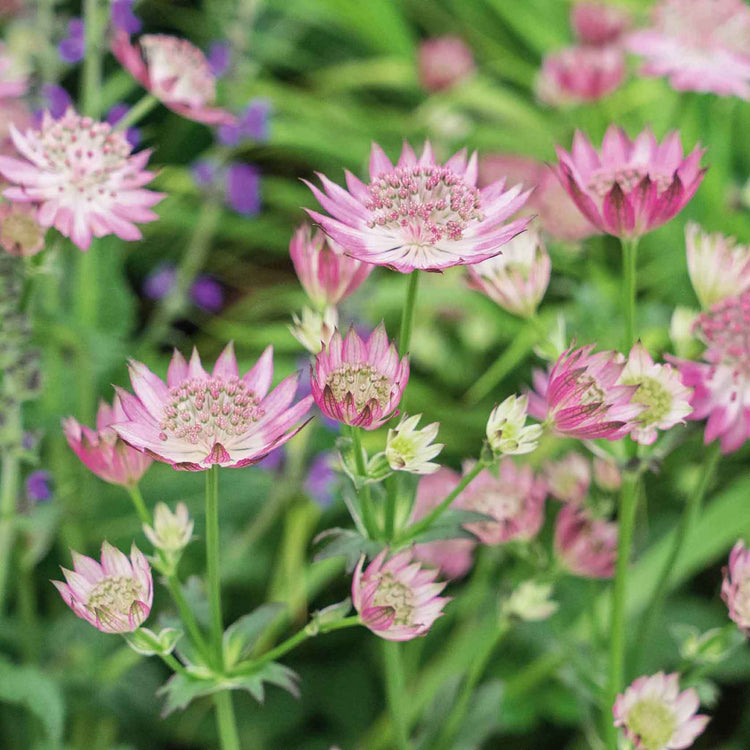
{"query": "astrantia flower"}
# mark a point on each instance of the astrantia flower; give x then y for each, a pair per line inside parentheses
(631, 187)
(419, 214)
(513, 496)
(359, 383)
(665, 399)
(735, 587)
(569, 478)
(721, 385)
(531, 601)
(175, 72)
(518, 278)
(83, 176)
(327, 275)
(507, 432)
(396, 599)
(580, 74)
(314, 329)
(116, 596)
(657, 716)
(20, 231)
(411, 449)
(586, 546)
(718, 266)
(700, 45)
(444, 62)
(196, 420)
(452, 556)
(581, 397)
(171, 532)
(598, 23)
(103, 451)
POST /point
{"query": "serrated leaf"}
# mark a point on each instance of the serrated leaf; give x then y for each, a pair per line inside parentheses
(345, 543)
(241, 636)
(271, 673)
(181, 689)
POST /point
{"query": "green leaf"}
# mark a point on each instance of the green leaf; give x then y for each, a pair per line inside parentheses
(181, 689)
(242, 635)
(345, 543)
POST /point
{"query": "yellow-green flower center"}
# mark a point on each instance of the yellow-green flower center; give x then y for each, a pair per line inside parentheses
(656, 398)
(653, 722)
(363, 382)
(114, 595)
(396, 596)
(21, 232)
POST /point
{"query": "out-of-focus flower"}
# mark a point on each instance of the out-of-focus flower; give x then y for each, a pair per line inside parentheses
(359, 383)
(597, 23)
(251, 125)
(507, 432)
(13, 83)
(665, 399)
(38, 489)
(586, 546)
(20, 232)
(721, 384)
(569, 478)
(718, 266)
(699, 45)
(396, 599)
(444, 62)
(518, 278)
(72, 46)
(321, 479)
(115, 114)
(160, 282)
(655, 715)
(735, 587)
(580, 74)
(514, 497)
(243, 188)
(581, 397)
(205, 173)
(84, 178)
(314, 329)
(175, 72)
(681, 329)
(197, 420)
(452, 556)
(327, 275)
(114, 596)
(17, 113)
(531, 601)
(631, 187)
(171, 532)
(102, 451)
(207, 293)
(58, 102)
(123, 18)
(419, 214)
(606, 475)
(219, 57)
(410, 449)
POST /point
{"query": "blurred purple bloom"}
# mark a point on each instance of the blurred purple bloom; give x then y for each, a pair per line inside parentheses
(204, 173)
(243, 189)
(273, 461)
(321, 480)
(38, 488)
(118, 111)
(123, 18)
(160, 281)
(252, 124)
(72, 47)
(219, 56)
(57, 99)
(207, 293)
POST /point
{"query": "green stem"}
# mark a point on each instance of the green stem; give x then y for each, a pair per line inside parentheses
(137, 112)
(395, 683)
(27, 608)
(393, 489)
(8, 496)
(629, 290)
(226, 721)
(91, 79)
(172, 663)
(407, 314)
(212, 562)
(139, 504)
(368, 516)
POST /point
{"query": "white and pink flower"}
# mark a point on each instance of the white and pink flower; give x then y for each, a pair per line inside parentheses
(585, 545)
(444, 62)
(568, 479)
(596, 23)
(735, 586)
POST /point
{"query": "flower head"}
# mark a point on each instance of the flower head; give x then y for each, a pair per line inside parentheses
(569, 478)
(123, 18)
(700, 45)
(507, 432)
(103, 451)
(72, 46)
(597, 23)
(581, 396)
(444, 62)
(327, 275)
(359, 383)
(411, 449)
(718, 266)
(531, 601)
(175, 72)
(735, 587)
(314, 329)
(114, 596)
(585, 545)
(513, 497)
(419, 214)
(20, 232)
(171, 532)
(83, 176)
(38, 489)
(517, 279)
(657, 716)
(397, 599)
(631, 187)
(196, 420)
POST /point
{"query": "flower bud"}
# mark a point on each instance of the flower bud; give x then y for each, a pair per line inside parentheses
(410, 449)
(506, 430)
(314, 329)
(171, 532)
(531, 601)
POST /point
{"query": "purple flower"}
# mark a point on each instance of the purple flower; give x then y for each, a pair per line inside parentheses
(38, 488)
(57, 99)
(207, 293)
(321, 480)
(219, 57)
(252, 124)
(123, 18)
(243, 189)
(118, 111)
(72, 47)
(273, 461)
(160, 282)
(204, 173)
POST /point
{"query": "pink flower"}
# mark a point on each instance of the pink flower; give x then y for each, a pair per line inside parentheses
(512, 496)
(20, 233)
(700, 45)
(721, 385)
(581, 398)
(327, 275)
(397, 600)
(419, 214)
(517, 279)
(453, 557)
(632, 187)
(657, 716)
(103, 451)
(83, 176)
(735, 586)
(444, 62)
(606, 474)
(359, 383)
(586, 546)
(597, 23)
(568, 479)
(175, 72)
(13, 112)
(580, 74)
(116, 596)
(13, 84)
(197, 420)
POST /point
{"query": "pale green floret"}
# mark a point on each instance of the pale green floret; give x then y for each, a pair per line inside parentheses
(653, 722)
(396, 596)
(364, 383)
(402, 450)
(114, 595)
(656, 397)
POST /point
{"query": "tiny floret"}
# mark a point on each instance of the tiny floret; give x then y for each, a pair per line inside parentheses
(735, 587)
(411, 449)
(507, 432)
(171, 532)
(532, 601)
